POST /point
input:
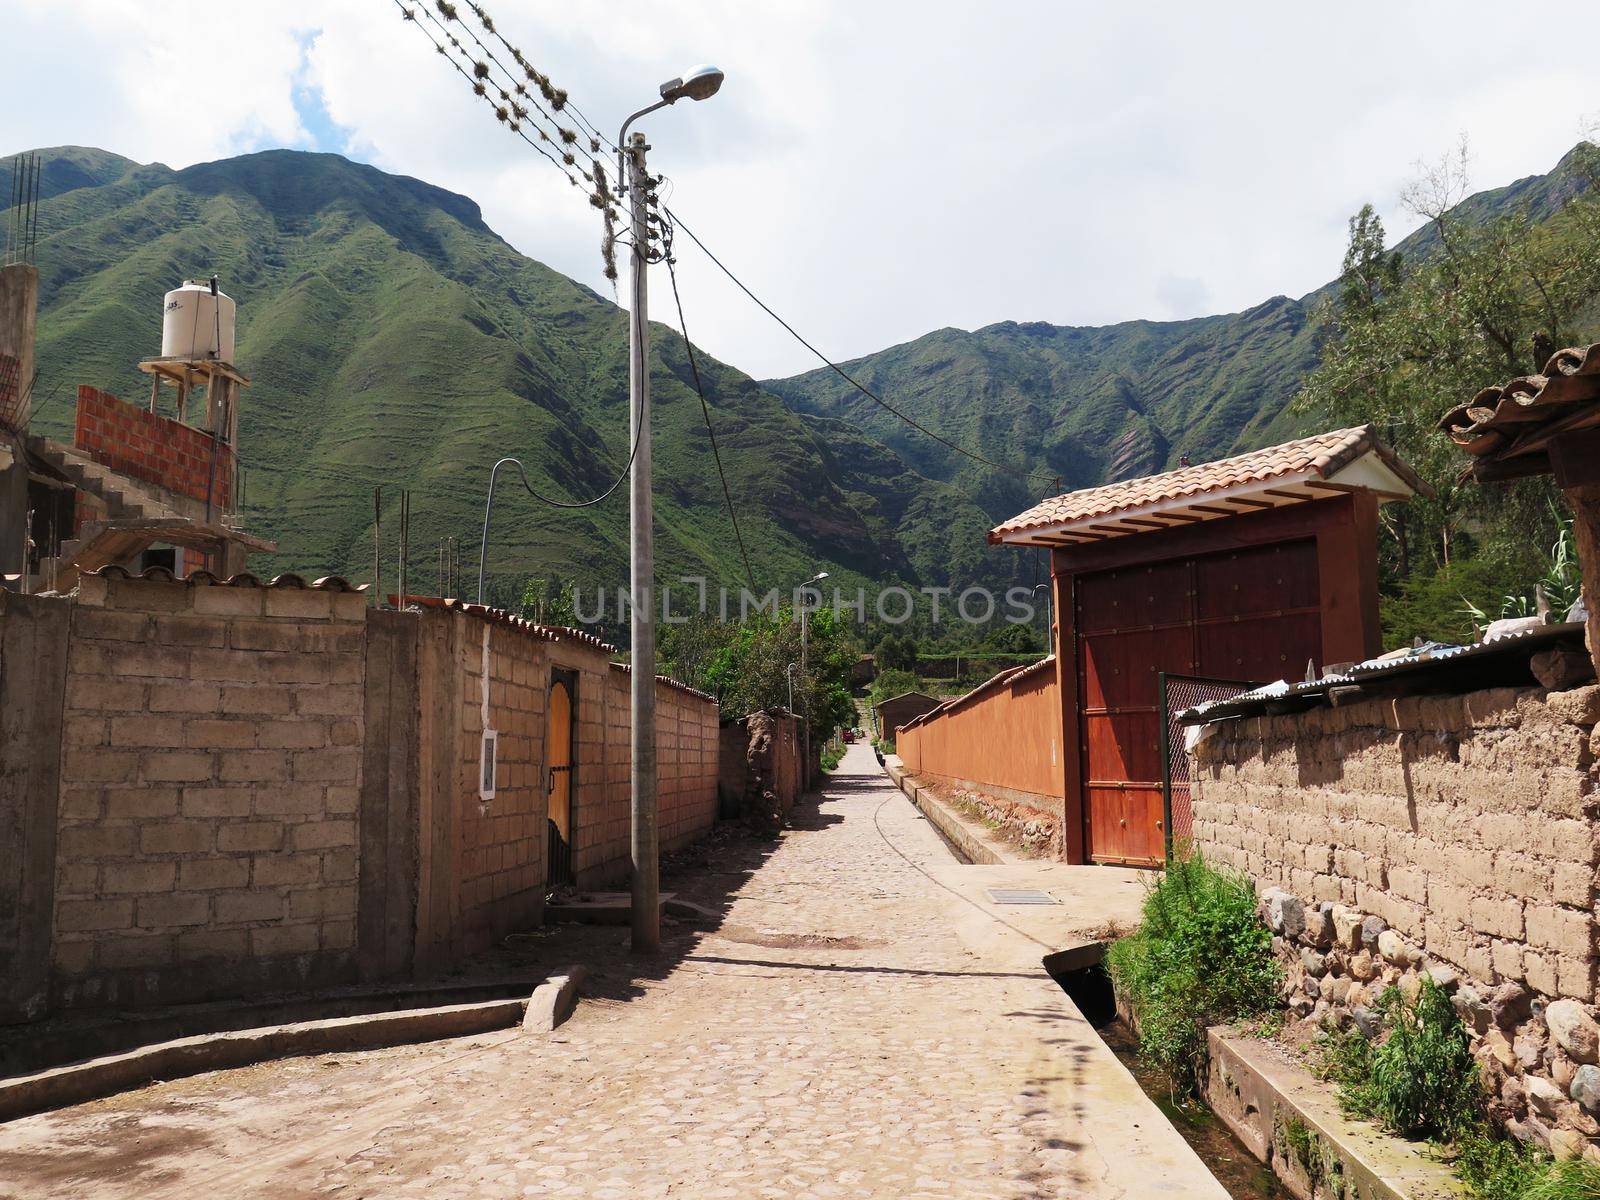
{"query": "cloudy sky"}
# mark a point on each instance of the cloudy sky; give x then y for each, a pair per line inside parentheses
(873, 169)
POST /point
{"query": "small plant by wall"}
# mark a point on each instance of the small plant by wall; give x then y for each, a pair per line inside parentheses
(1418, 1079)
(1201, 957)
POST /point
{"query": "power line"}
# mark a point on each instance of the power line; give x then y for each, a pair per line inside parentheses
(678, 223)
(705, 410)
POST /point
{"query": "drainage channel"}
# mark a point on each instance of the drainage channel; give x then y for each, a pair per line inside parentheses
(1241, 1175)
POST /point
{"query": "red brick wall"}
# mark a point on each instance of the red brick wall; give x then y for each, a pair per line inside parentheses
(153, 448)
(11, 391)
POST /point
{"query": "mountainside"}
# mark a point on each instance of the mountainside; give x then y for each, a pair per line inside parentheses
(1111, 402)
(394, 339)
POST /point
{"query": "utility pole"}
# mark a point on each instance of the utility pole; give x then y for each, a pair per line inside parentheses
(646, 905)
(699, 83)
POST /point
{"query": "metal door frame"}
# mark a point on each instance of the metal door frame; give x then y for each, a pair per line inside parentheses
(567, 677)
(1163, 678)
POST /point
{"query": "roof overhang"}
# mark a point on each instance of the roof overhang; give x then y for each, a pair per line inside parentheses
(1372, 472)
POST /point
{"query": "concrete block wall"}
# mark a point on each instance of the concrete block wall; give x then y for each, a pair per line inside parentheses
(218, 789)
(687, 747)
(210, 774)
(687, 744)
(503, 840)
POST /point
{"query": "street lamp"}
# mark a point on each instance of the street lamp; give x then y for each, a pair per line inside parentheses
(805, 769)
(1049, 612)
(700, 83)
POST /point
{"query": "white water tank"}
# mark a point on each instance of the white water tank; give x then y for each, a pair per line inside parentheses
(197, 322)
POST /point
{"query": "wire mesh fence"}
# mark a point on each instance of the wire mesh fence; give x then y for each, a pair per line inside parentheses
(1178, 694)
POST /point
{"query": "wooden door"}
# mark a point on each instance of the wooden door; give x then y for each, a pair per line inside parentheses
(558, 770)
(1246, 614)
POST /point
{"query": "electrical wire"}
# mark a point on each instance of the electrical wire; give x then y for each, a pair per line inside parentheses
(678, 223)
(705, 410)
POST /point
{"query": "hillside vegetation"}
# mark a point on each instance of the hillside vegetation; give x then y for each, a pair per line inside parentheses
(395, 340)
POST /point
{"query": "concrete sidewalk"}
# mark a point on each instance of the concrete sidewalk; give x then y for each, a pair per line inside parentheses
(858, 1023)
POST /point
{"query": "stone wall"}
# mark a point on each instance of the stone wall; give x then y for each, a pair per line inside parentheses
(1448, 835)
(209, 779)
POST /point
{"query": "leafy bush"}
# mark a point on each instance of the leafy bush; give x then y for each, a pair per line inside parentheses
(1201, 957)
(1422, 1081)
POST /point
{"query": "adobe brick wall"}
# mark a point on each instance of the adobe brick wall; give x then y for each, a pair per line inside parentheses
(210, 771)
(153, 448)
(1452, 835)
(1464, 822)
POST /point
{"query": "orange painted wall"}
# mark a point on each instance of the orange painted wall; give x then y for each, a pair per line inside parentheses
(1008, 737)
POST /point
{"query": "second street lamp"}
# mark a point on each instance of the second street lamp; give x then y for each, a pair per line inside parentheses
(701, 83)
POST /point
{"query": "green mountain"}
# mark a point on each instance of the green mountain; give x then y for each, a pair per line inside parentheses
(393, 339)
(1113, 402)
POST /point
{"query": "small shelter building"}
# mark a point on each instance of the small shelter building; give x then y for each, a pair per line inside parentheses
(1246, 570)
(900, 710)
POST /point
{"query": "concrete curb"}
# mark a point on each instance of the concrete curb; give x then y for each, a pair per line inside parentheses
(971, 840)
(1257, 1090)
(552, 1001)
(62, 1086)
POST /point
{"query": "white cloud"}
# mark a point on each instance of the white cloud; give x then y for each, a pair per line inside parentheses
(875, 170)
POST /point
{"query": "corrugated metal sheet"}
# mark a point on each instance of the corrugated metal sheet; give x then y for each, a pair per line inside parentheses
(1431, 661)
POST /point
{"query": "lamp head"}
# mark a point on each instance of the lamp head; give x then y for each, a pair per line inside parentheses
(697, 83)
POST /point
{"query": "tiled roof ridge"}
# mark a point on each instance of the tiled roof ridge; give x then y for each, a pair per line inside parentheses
(675, 684)
(1009, 675)
(501, 616)
(1489, 421)
(1324, 453)
(203, 578)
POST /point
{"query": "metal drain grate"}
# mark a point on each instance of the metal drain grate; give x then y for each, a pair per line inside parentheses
(1020, 896)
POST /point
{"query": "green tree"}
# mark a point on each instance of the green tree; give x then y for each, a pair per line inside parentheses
(1482, 301)
(746, 665)
(546, 601)
(897, 653)
(1013, 639)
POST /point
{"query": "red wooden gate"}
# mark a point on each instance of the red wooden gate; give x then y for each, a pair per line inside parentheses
(1242, 614)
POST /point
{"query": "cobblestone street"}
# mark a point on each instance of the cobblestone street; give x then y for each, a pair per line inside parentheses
(832, 1036)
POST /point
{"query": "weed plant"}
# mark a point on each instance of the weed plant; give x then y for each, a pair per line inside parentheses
(1201, 957)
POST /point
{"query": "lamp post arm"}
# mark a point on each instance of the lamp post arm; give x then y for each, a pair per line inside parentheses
(488, 507)
(622, 138)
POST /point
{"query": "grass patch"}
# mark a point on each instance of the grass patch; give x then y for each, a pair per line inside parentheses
(1201, 957)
